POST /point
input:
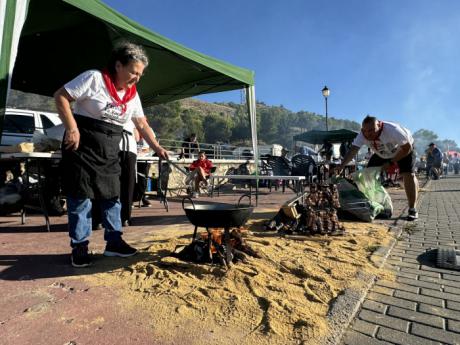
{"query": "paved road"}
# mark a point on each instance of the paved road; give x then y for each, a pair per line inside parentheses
(422, 304)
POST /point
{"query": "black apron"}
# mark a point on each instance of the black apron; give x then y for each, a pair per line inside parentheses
(93, 170)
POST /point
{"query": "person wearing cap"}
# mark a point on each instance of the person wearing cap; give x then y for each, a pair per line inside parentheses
(391, 143)
(284, 153)
(434, 161)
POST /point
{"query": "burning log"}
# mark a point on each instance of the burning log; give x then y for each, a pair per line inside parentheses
(213, 242)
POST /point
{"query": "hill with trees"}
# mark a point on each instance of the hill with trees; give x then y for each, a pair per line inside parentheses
(229, 122)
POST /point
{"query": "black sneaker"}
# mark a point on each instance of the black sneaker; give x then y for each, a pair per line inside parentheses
(412, 214)
(80, 256)
(55, 208)
(97, 226)
(119, 248)
(146, 202)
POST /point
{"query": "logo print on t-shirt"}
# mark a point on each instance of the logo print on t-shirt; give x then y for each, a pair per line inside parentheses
(114, 113)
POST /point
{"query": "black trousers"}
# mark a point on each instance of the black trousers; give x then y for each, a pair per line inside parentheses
(143, 169)
(127, 183)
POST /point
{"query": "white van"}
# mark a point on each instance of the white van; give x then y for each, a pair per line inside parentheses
(19, 124)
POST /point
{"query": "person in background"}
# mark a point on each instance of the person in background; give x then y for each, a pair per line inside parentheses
(445, 163)
(201, 169)
(303, 151)
(344, 148)
(391, 144)
(284, 156)
(326, 151)
(456, 163)
(189, 146)
(143, 170)
(434, 159)
(104, 102)
(369, 154)
(128, 159)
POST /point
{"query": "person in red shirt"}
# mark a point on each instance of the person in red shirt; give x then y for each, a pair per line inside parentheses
(201, 169)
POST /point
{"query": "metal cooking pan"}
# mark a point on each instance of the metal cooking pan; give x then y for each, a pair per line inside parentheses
(218, 215)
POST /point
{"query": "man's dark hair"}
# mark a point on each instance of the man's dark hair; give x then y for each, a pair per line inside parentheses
(369, 119)
(202, 152)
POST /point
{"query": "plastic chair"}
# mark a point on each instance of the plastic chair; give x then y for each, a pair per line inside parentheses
(304, 165)
(280, 167)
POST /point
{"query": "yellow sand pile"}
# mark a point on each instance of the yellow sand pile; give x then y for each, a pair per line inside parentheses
(281, 298)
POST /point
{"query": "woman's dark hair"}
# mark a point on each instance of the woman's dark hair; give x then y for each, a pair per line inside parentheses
(125, 52)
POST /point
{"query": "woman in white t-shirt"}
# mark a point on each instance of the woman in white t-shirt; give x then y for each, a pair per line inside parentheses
(105, 101)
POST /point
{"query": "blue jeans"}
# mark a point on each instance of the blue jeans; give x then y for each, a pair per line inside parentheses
(80, 222)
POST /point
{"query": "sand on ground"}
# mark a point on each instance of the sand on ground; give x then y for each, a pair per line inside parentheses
(281, 298)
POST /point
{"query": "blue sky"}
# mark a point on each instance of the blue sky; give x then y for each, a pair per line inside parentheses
(398, 60)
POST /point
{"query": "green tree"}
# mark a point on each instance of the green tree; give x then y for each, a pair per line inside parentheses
(448, 145)
(241, 130)
(165, 120)
(192, 123)
(217, 128)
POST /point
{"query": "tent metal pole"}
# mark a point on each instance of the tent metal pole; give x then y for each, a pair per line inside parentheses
(12, 18)
(251, 102)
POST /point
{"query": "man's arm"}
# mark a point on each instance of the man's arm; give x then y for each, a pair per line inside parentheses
(348, 157)
(403, 151)
(147, 133)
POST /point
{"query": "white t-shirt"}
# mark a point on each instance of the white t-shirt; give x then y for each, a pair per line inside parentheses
(393, 136)
(92, 99)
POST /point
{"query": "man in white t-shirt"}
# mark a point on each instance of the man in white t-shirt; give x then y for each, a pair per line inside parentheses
(391, 143)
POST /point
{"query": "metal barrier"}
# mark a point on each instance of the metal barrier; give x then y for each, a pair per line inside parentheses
(213, 151)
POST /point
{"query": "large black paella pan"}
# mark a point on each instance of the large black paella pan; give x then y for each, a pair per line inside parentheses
(218, 215)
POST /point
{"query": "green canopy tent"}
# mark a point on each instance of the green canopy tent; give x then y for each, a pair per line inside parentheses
(47, 43)
(320, 137)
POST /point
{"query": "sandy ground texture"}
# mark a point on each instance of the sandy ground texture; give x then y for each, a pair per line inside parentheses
(281, 298)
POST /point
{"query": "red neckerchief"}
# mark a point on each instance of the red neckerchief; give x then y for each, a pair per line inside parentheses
(378, 134)
(129, 94)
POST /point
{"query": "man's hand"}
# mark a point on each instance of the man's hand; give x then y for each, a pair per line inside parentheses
(162, 153)
(72, 139)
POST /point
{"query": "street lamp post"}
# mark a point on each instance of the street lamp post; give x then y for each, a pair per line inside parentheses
(326, 94)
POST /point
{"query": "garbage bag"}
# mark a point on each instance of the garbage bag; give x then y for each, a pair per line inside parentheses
(365, 198)
(368, 182)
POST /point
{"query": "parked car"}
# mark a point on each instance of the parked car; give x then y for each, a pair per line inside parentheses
(19, 125)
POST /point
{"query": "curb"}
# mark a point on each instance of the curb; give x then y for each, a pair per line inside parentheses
(344, 309)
